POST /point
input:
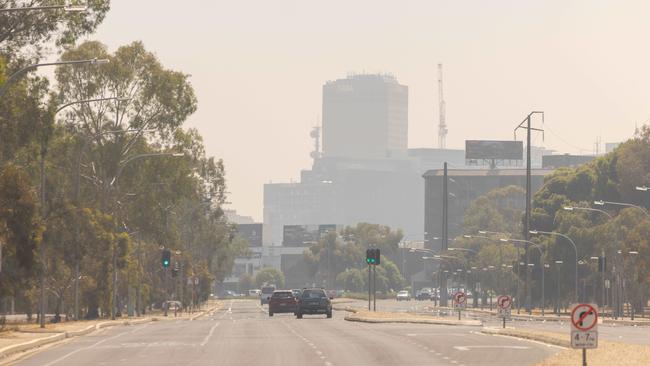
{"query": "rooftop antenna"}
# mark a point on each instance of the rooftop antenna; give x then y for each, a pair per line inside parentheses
(442, 126)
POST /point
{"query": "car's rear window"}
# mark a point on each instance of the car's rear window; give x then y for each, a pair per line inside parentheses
(313, 294)
(268, 290)
(282, 294)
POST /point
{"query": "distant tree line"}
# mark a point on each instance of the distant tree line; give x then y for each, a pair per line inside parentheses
(98, 175)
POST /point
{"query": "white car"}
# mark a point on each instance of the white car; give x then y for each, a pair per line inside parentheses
(403, 296)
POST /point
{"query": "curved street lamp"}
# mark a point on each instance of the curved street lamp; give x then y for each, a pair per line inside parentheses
(18, 74)
(623, 204)
(575, 249)
(68, 7)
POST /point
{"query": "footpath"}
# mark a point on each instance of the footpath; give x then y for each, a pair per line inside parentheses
(26, 337)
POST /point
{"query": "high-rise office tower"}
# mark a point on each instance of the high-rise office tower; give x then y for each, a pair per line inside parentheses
(365, 116)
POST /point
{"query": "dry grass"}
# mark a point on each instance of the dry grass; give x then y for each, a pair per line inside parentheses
(607, 354)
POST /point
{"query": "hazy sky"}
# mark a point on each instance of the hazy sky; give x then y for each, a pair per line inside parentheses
(258, 68)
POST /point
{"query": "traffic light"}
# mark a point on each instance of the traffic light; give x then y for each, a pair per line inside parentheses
(373, 256)
(166, 258)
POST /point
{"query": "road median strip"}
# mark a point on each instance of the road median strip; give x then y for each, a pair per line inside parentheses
(364, 316)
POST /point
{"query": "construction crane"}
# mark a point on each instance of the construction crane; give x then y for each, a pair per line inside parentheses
(442, 125)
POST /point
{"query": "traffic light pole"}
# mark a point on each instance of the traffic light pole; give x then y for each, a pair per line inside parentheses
(369, 286)
(374, 288)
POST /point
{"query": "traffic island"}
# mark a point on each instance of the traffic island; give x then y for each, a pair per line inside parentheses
(365, 316)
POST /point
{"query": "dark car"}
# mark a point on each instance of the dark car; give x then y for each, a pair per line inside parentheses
(297, 293)
(267, 292)
(423, 295)
(282, 301)
(314, 301)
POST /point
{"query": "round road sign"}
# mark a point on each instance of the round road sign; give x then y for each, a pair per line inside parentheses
(459, 297)
(504, 302)
(584, 317)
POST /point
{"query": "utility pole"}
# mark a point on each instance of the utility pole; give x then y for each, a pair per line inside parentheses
(526, 124)
(444, 243)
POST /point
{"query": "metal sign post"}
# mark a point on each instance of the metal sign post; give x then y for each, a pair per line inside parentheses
(504, 304)
(584, 328)
(460, 300)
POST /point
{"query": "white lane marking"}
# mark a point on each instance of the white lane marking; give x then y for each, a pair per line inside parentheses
(467, 348)
(207, 338)
(436, 334)
(92, 346)
(327, 363)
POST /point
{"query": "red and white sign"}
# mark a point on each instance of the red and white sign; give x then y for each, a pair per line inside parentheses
(584, 326)
(504, 302)
(460, 299)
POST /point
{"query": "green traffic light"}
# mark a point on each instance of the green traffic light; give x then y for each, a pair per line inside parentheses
(166, 263)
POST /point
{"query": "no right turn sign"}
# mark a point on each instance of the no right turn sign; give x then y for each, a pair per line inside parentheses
(584, 326)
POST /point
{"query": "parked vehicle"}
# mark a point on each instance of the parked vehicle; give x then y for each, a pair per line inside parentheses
(267, 291)
(282, 301)
(314, 301)
(403, 296)
(423, 294)
(255, 292)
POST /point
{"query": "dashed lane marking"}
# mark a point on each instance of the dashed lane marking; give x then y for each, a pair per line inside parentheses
(93, 345)
(207, 337)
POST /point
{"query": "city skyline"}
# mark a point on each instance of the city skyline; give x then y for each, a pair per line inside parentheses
(501, 60)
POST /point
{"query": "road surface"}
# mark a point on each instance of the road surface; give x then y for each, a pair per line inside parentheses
(620, 333)
(243, 334)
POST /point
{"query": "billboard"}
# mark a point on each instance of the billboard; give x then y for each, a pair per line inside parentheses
(252, 233)
(494, 150)
(304, 235)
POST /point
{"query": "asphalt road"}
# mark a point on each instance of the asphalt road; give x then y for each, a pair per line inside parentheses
(243, 334)
(620, 333)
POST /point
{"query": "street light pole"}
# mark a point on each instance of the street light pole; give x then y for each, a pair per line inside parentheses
(43, 152)
(77, 199)
(113, 184)
(16, 75)
(611, 218)
(557, 305)
(71, 8)
(575, 249)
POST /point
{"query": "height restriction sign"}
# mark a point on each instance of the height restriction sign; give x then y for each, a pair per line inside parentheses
(584, 326)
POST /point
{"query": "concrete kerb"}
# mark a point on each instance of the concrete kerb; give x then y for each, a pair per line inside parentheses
(543, 338)
(59, 336)
(9, 350)
(357, 318)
